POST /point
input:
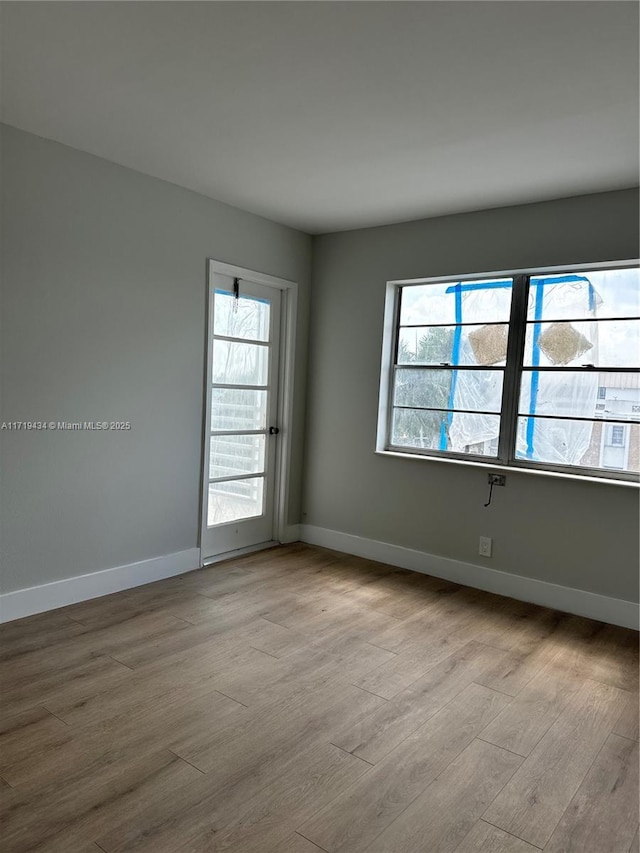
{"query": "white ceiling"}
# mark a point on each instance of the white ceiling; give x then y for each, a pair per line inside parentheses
(335, 115)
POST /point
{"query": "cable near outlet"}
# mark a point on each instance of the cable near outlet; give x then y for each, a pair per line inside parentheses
(495, 480)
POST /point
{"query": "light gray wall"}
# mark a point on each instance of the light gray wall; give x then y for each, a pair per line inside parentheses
(582, 535)
(104, 319)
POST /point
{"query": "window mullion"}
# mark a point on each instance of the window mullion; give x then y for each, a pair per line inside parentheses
(513, 369)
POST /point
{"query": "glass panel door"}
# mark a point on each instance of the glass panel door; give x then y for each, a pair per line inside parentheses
(242, 371)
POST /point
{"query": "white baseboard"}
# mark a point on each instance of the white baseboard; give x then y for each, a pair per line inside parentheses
(580, 602)
(37, 599)
(48, 596)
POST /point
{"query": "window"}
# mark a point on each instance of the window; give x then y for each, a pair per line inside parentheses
(616, 436)
(533, 370)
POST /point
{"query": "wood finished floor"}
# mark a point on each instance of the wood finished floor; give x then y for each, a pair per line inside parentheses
(298, 700)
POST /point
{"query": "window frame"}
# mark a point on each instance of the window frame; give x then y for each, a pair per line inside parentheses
(514, 369)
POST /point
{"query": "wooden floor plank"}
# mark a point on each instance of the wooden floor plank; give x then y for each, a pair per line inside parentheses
(287, 726)
(296, 843)
(105, 641)
(279, 678)
(402, 670)
(33, 731)
(485, 838)
(440, 818)
(36, 632)
(151, 649)
(74, 812)
(240, 814)
(375, 736)
(520, 627)
(164, 722)
(513, 671)
(299, 700)
(401, 594)
(603, 815)
(533, 711)
(611, 656)
(289, 799)
(104, 611)
(628, 723)
(66, 684)
(448, 613)
(531, 806)
(212, 665)
(351, 822)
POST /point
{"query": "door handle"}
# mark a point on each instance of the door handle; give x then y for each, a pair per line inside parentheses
(273, 430)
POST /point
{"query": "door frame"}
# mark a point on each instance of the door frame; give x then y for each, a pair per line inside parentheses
(286, 376)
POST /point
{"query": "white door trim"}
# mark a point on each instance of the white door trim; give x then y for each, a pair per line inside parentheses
(289, 309)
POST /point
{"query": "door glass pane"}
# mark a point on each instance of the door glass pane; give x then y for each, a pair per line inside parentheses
(459, 432)
(238, 408)
(233, 500)
(456, 302)
(233, 455)
(249, 318)
(586, 444)
(601, 294)
(606, 343)
(485, 344)
(239, 363)
(479, 390)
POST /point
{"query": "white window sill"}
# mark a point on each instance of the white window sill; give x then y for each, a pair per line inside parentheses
(509, 469)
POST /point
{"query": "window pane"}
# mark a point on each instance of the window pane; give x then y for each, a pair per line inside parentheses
(456, 302)
(607, 343)
(234, 500)
(249, 318)
(238, 408)
(233, 455)
(239, 363)
(453, 344)
(478, 390)
(587, 444)
(458, 432)
(583, 394)
(615, 435)
(602, 293)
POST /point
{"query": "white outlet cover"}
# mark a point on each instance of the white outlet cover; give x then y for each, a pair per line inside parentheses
(485, 546)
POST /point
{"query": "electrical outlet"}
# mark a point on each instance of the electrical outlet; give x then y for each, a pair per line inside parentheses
(497, 479)
(484, 548)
